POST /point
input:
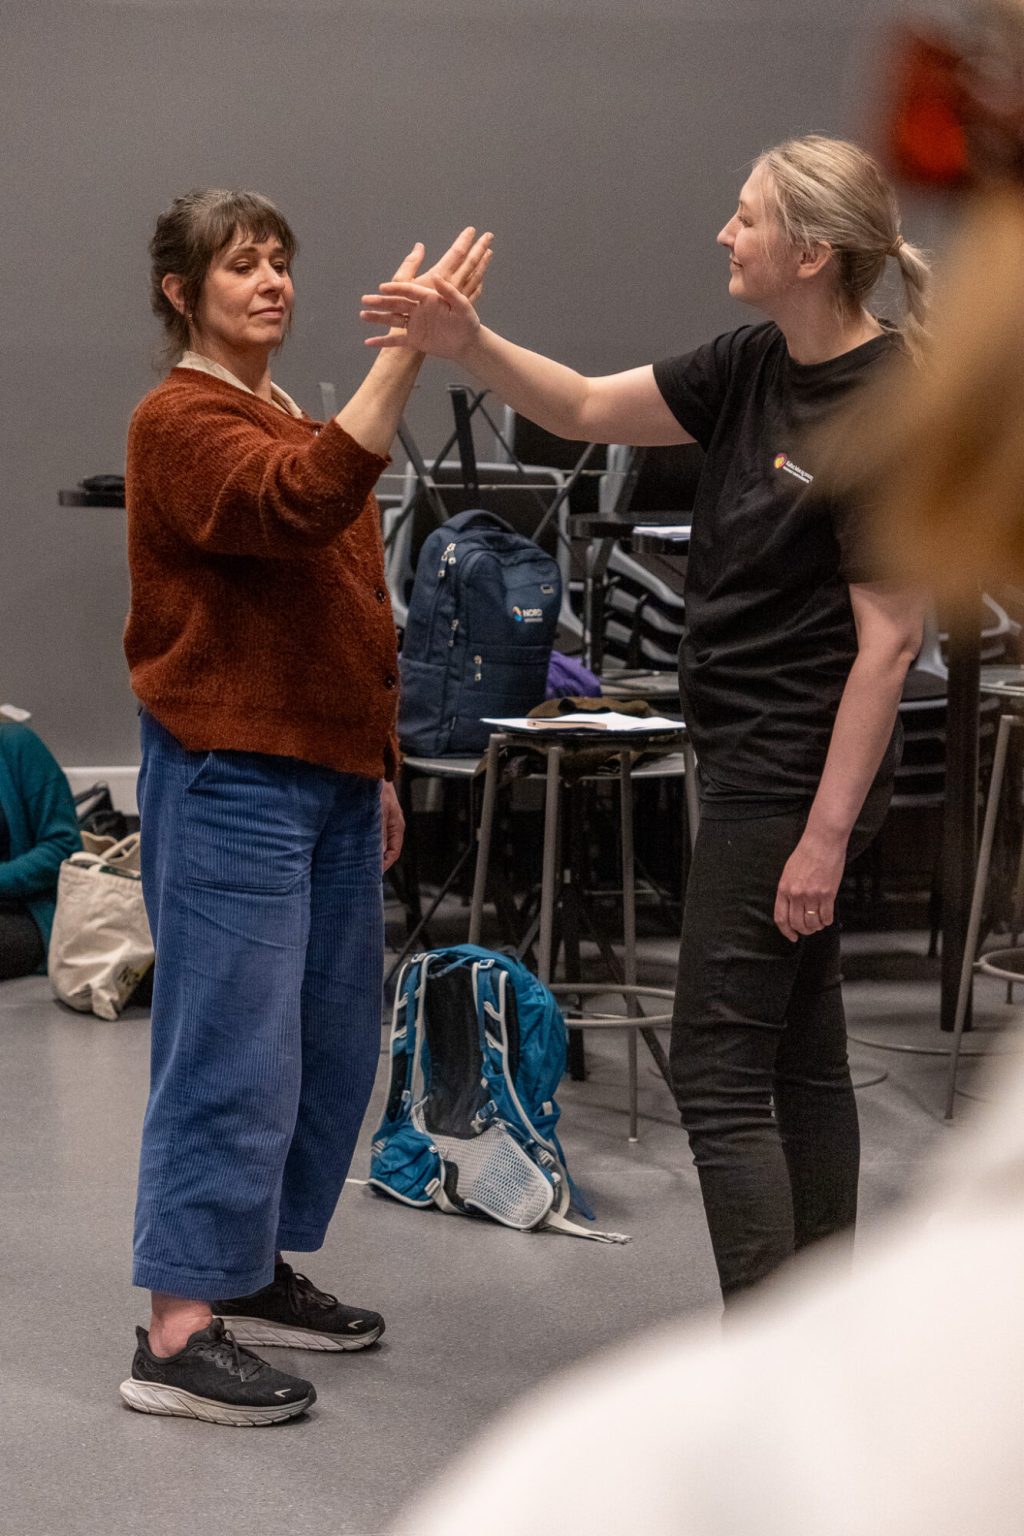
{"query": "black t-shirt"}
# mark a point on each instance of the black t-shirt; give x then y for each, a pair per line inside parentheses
(770, 636)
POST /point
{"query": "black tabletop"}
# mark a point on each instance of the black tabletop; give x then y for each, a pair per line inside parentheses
(607, 527)
(641, 531)
(80, 498)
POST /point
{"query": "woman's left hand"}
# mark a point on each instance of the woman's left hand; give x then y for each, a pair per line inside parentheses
(392, 824)
(805, 900)
(463, 264)
(461, 269)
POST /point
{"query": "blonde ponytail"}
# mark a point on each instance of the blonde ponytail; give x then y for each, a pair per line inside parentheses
(915, 273)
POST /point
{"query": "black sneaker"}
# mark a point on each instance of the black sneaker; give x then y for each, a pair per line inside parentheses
(213, 1379)
(291, 1312)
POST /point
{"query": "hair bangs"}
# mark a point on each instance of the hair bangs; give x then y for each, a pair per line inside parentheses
(242, 215)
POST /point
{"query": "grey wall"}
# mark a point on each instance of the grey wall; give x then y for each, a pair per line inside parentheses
(603, 142)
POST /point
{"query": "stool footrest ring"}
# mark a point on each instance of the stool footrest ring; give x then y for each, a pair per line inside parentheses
(627, 991)
(1007, 964)
(619, 1021)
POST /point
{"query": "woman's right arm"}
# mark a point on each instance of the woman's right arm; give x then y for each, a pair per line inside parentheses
(206, 468)
(372, 415)
(617, 408)
(230, 487)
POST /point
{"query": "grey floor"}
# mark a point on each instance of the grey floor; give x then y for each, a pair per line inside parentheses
(475, 1313)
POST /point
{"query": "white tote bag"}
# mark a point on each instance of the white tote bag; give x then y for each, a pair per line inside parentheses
(101, 946)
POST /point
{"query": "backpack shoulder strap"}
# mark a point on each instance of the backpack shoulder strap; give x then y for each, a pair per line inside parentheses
(406, 1034)
(404, 1161)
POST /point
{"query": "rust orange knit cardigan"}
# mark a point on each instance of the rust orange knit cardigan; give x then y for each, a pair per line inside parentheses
(260, 620)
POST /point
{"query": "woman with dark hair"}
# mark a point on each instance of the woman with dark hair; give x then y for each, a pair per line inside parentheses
(791, 670)
(262, 651)
(38, 831)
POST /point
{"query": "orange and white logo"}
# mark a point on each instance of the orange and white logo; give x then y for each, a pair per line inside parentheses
(783, 461)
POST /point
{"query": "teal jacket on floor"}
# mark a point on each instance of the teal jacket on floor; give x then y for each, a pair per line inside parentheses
(40, 812)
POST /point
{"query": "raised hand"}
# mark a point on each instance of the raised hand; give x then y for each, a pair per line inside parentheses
(463, 264)
(433, 312)
(439, 320)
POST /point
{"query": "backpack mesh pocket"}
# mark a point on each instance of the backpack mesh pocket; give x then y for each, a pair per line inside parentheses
(495, 1176)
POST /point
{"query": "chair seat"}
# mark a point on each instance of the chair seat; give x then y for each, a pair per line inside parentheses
(924, 685)
(629, 684)
(446, 767)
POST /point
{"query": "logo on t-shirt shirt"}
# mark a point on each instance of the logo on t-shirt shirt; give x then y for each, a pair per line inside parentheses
(527, 615)
(783, 461)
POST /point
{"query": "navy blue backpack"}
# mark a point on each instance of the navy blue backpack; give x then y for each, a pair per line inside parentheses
(482, 622)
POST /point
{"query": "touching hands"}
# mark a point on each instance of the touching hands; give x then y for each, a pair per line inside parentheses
(463, 264)
(433, 312)
(805, 900)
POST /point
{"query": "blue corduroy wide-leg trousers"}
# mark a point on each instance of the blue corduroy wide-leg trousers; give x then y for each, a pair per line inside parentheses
(262, 879)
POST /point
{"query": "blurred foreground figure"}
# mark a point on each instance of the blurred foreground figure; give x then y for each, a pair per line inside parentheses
(890, 1400)
(945, 438)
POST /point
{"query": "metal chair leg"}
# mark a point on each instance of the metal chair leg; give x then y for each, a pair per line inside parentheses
(1016, 912)
(1006, 724)
(551, 872)
(629, 927)
(483, 847)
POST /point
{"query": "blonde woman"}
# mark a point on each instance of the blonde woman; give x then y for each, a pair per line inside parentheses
(791, 670)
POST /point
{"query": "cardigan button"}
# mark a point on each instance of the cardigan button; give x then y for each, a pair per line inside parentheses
(380, 594)
(389, 680)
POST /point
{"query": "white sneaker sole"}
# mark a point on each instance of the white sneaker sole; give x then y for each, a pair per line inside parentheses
(154, 1397)
(257, 1330)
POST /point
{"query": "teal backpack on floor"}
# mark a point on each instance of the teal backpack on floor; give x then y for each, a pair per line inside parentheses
(477, 1053)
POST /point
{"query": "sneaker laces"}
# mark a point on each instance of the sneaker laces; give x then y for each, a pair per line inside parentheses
(301, 1293)
(225, 1350)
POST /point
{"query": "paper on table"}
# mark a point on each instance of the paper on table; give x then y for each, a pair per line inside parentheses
(611, 720)
(666, 530)
(12, 712)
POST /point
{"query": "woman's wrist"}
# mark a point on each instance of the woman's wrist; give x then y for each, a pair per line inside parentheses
(473, 356)
(826, 829)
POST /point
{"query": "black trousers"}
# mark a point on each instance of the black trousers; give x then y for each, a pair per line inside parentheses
(759, 1063)
(21, 944)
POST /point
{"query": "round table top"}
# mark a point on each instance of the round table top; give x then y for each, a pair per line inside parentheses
(1007, 682)
(550, 735)
(649, 541)
(645, 533)
(606, 526)
(80, 498)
